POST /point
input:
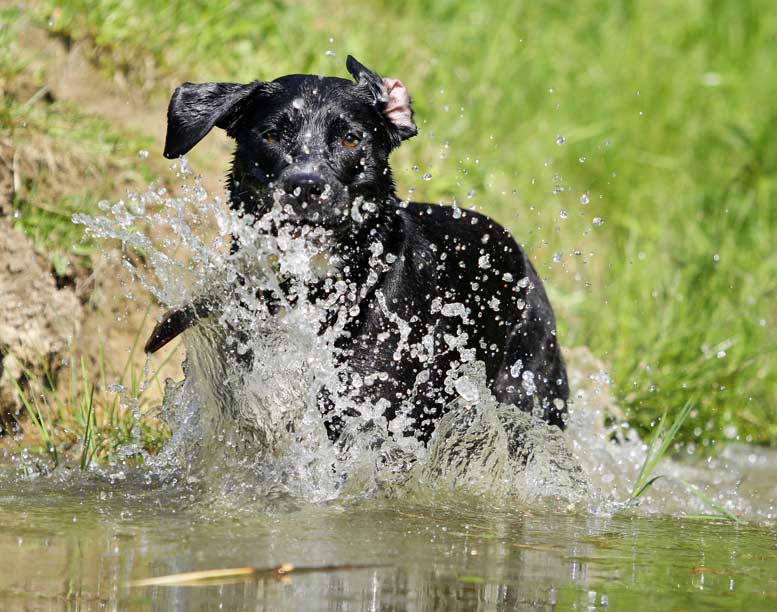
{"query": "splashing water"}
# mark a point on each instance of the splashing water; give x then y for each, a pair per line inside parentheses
(246, 419)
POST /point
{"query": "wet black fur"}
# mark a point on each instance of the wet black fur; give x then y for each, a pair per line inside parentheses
(437, 250)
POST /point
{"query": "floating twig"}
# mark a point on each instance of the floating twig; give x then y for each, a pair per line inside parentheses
(242, 574)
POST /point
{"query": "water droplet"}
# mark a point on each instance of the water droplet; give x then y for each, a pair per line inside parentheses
(427, 177)
(563, 214)
(183, 165)
(598, 221)
(456, 309)
(560, 140)
(527, 382)
(330, 53)
(716, 257)
(467, 389)
(711, 79)
(143, 154)
(584, 199)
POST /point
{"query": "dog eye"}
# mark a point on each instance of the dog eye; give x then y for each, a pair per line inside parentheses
(271, 136)
(351, 140)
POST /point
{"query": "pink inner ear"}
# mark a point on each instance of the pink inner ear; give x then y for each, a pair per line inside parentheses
(398, 106)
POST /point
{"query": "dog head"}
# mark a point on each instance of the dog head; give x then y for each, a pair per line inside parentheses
(315, 145)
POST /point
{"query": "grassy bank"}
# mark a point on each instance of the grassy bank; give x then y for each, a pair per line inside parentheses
(627, 144)
(64, 160)
(57, 161)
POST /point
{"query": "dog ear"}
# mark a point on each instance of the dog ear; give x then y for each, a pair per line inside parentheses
(196, 107)
(391, 99)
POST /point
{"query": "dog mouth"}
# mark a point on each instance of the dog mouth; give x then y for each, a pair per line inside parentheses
(313, 229)
(335, 212)
(328, 211)
(306, 231)
(301, 223)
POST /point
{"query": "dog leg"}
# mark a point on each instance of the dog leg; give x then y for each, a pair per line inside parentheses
(535, 380)
(177, 321)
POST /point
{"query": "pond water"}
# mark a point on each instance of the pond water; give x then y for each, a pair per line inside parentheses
(498, 511)
(80, 546)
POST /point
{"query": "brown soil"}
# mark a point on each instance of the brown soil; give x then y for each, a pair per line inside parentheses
(37, 321)
(106, 323)
(70, 77)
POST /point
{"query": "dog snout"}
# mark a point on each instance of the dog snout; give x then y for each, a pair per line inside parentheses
(305, 187)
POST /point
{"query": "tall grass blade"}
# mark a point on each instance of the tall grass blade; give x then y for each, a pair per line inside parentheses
(88, 446)
(37, 420)
(710, 503)
(659, 444)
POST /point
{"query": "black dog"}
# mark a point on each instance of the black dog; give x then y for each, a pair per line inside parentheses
(433, 286)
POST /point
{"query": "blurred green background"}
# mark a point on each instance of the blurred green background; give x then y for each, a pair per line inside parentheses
(630, 146)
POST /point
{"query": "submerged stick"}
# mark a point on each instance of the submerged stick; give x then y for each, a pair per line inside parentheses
(193, 578)
(221, 576)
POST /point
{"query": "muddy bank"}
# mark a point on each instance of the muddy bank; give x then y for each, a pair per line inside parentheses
(38, 321)
(62, 300)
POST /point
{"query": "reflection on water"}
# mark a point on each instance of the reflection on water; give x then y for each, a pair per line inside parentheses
(80, 550)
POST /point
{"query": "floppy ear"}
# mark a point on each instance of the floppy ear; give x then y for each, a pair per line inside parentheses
(196, 107)
(391, 99)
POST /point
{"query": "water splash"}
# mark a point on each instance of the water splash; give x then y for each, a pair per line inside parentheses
(245, 419)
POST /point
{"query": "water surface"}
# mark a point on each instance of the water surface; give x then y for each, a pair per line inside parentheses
(498, 512)
(79, 548)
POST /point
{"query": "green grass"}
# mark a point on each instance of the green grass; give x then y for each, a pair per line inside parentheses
(65, 161)
(93, 418)
(669, 104)
(91, 162)
(42, 425)
(663, 437)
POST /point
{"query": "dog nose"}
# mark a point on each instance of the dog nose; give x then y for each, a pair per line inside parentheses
(305, 187)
